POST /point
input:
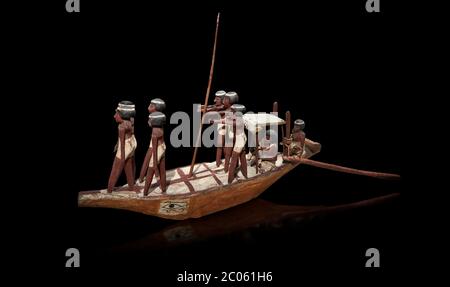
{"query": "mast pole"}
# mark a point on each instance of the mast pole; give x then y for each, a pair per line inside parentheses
(206, 97)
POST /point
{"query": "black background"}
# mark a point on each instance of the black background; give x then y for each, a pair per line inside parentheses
(330, 63)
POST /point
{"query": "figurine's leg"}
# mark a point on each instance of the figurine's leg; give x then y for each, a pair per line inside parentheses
(253, 160)
(218, 156)
(219, 150)
(148, 180)
(162, 174)
(129, 173)
(115, 173)
(145, 165)
(243, 161)
(227, 151)
(232, 169)
(134, 166)
(157, 172)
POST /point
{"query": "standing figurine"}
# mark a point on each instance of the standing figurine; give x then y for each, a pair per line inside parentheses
(229, 99)
(156, 105)
(240, 140)
(220, 127)
(218, 102)
(158, 151)
(126, 145)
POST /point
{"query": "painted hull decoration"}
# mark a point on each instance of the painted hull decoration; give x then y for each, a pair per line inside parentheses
(174, 207)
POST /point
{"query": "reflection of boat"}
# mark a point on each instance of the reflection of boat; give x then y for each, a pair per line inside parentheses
(255, 213)
(206, 192)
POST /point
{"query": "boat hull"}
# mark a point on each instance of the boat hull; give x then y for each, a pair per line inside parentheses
(193, 205)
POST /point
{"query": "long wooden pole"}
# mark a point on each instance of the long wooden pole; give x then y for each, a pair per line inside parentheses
(199, 136)
(288, 124)
(339, 168)
(381, 175)
(288, 132)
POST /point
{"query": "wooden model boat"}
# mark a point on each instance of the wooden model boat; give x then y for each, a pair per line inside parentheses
(206, 192)
(201, 189)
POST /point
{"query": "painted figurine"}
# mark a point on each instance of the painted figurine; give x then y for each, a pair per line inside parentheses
(126, 146)
(229, 99)
(267, 153)
(218, 102)
(156, 105)
(158, 152)
(218, 107)
(220, 127)
(296, 142)
(240, 140)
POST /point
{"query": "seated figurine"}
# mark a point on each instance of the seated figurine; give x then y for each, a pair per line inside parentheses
(296, 142)
(267, 153)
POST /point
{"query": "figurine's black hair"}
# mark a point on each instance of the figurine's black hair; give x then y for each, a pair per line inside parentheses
(238, 108)
(160, 104)
(126, 110)
(157, 119)
(299, 125)
(221, 94)
(233, 96)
